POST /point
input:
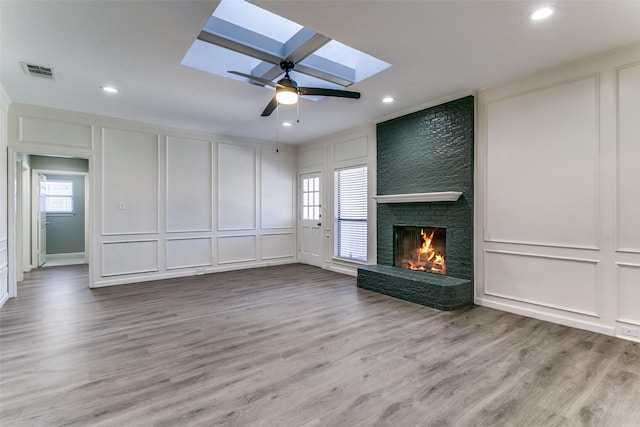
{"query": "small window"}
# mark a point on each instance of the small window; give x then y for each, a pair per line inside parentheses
(311, 198)
(58, 196)
(351, 213)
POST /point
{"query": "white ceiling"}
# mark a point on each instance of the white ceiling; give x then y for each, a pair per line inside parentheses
(436, 48)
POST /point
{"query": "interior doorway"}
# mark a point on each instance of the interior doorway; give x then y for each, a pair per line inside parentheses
(52, 213)
(59, 217)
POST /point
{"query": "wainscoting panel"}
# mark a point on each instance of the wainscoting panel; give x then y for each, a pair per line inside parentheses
(351, 149)
(54, 132)
(3, 252)
(234, 249)
(278, 183)
(281, 245)
(566, 284)
(533, 140)
(311, 158)
(130, 195)
(195, 252)
(128, 257)
(188, 185)
(628, 290)
(236, 187)
(4, 271)
(628, 238)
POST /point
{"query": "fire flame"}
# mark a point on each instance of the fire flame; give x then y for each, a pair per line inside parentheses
(428, 259)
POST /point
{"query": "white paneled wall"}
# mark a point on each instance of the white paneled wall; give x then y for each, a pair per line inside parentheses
(189, 185)
(237, 249)
(168, 202)
(129, 257)
(236, 187)
(559, 282)
(542, 153)
(628, 233)
(558, 187)
(355, 147)
(278, 191)
(4, 234)
(129, 182)
(189, 252)
(55, 132)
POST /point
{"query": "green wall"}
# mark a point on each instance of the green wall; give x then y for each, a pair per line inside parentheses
(429, 151)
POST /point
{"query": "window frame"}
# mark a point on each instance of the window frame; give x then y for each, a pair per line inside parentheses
(48, 196)
(364, 245)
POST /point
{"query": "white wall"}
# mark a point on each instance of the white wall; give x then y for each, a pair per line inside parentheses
(356, 147)
(4, 166)
(168, 202)
(558, 184)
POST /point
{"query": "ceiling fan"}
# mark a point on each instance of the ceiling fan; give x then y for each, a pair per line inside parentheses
(287, 90)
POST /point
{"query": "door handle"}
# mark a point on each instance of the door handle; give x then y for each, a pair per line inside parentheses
(319, 224)
(47, 223)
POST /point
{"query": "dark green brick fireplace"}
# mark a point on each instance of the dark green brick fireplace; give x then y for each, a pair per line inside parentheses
(428, 151)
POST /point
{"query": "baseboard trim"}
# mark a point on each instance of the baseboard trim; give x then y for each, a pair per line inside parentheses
(65, 255)
(173, 274)
(548, 317)
(350, 271)
(4, 299)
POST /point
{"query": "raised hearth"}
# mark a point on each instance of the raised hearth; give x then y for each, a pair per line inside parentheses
(432, 290)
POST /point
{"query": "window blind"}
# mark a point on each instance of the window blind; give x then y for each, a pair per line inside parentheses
(59, 196)
(351, 213)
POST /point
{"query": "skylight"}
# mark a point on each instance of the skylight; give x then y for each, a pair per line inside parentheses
(255, 19)
(242, 37)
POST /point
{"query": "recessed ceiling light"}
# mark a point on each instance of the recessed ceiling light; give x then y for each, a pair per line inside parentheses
(109, 89)
(542, 13)
(388, 99)
(286, 124)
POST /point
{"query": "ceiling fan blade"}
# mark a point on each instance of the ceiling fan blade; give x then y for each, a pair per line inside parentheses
(272, 105)
(328, 92)
(254, 78)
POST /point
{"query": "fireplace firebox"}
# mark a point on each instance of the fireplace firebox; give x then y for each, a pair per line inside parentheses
(420, 248)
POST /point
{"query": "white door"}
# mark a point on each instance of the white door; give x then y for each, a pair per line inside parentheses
(310, 215)
(42, 220)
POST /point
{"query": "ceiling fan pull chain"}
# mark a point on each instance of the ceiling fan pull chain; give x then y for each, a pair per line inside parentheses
(297, 112)
(277, 126)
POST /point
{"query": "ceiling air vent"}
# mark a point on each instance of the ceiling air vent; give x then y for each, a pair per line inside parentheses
(38, 71)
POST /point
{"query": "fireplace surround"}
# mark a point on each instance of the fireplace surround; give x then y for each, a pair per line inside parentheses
(426, 152)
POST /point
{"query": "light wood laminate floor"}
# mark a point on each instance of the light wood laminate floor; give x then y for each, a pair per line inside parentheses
(294, 346)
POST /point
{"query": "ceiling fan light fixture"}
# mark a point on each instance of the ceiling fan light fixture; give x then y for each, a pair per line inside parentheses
(109, 89)
(542, 13)
(286, 95)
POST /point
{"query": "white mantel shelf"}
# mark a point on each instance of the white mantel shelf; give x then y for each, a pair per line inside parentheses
(443, 196)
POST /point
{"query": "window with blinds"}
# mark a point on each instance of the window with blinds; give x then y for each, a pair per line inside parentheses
(351, 213)
(58, 196)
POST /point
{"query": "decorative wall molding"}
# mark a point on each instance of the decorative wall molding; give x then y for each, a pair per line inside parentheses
(237, 249)
(627, 293)
(627, 155)
(129, 257)
(188, 252)
(280, 245)
(237, 187)
(512, 197)
(590, 303)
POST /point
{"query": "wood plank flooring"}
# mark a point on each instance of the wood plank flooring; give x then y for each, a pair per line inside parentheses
(294, 346)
